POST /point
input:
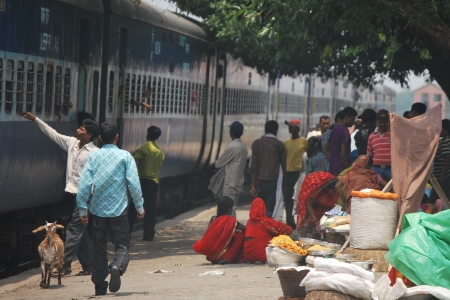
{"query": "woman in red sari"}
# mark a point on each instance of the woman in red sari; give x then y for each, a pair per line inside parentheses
(317, 196)
(359, 177)
(223, 240)
(259, 231)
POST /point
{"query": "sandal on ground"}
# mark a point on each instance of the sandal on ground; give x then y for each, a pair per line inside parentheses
(64, 271)
(86, 272)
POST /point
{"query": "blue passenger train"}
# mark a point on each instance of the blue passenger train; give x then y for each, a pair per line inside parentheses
(107, 57)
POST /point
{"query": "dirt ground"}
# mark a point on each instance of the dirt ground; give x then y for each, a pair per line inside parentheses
(171, 251)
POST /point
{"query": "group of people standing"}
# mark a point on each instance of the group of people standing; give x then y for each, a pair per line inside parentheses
(313, 175)
(97, 185)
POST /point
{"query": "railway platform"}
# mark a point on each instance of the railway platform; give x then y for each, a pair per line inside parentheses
(170, 251)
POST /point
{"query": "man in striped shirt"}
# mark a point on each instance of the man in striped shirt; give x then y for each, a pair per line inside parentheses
(379, 146)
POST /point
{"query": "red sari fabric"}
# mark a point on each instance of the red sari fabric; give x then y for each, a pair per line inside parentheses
(358, 178)
(220, 240)
(262, 229)
(312, 187)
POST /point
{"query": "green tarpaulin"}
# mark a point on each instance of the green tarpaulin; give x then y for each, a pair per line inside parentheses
(421, 251)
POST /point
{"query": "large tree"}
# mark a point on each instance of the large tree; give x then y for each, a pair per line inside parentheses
(359, 39)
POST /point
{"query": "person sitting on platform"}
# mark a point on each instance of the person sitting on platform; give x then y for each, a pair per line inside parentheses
(359, 177)
(223, 240)
(317, 196)
(259, 231)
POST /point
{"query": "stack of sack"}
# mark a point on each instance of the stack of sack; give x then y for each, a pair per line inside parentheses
(333, 275)
(352, 280)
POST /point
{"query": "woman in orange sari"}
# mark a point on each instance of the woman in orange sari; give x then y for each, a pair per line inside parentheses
(223, 240)
(358, 178)
(259, 231)
(317, 196)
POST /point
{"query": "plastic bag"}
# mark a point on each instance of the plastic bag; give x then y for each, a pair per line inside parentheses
(421, 251)
(335, 266)
(383, 290)
(344, 283)
(437, 291)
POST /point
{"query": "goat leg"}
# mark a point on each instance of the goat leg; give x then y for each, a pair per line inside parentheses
(42, 273)
(48, 270)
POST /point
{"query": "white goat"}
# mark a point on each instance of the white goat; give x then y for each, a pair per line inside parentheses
(51, 251)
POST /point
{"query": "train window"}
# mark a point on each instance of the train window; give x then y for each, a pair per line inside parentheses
(20, 86)
(158, 94)
(1, 82)
(133, 106)
(2, 5)
(40, 88)
(219, 99)
(58, 90)
(170, 94)
(111, 91)
(9, 88)
(140, 91)
(48, 91)
(127, 93)
(67, 88)
(95, 93)
(211, 101)
(30, 87)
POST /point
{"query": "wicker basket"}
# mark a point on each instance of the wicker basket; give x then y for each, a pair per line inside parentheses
(380, 263)
(328, 295)
(290, 282)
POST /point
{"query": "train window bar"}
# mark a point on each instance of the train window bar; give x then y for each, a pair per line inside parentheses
(111, 91)
(67, 88)
(10, 86)
(127, 93)
(20, 86)
(58, 91)
(29, 100)
(1, 82)
(40, 88)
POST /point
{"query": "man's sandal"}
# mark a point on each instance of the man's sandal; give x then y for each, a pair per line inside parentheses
(64, 271)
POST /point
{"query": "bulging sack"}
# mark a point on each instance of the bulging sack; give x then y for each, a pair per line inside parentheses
(373, 223)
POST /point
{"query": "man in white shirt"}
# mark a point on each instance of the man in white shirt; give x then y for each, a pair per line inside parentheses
(234, 159)
(78, 150)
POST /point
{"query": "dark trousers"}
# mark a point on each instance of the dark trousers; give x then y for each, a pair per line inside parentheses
(268, 192)
(150, 195)
(120, 237)
(77, 240)
(290, 180)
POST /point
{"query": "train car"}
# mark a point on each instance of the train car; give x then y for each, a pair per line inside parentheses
(115, 59)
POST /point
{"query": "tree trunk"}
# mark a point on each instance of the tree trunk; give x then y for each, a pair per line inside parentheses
(440, 71)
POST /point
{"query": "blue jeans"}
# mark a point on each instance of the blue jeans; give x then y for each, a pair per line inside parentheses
(381, 171)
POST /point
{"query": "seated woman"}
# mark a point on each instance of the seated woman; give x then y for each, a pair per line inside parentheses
(317, 196)
(223, 240)
(259, 231)
(359, 177)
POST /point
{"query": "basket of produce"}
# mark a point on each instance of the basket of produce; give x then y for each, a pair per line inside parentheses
(307, 243)
(285, 251)
(290, 282)
(318, 250)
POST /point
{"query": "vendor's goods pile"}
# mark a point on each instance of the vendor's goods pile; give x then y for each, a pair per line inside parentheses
(318, 248)
(336, 222)
(286, 243)
(332, 275)
(374, 220)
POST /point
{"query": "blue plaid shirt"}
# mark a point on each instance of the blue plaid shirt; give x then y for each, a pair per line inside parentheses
(110, 171)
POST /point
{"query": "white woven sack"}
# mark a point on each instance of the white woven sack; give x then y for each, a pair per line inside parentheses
(373, 223)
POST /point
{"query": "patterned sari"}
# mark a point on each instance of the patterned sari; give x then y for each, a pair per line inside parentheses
(358, 178)
(259, 231)
(220, 241)
(312, 187)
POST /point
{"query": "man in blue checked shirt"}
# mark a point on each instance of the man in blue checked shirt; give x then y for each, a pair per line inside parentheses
(107, 175)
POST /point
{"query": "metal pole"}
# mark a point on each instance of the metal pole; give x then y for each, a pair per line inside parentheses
(278, 97)
(308, 103)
